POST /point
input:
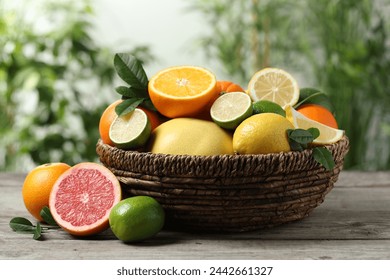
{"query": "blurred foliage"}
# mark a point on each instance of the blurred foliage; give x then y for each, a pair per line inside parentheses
(54, 83)
(245, 36)
(354, 45)
(340, 47)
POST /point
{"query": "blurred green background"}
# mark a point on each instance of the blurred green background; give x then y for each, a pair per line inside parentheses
(56, 81)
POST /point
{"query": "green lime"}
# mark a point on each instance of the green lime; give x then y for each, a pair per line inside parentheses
(136, 218)
(230, 109)
(266, 106)
(130, 131)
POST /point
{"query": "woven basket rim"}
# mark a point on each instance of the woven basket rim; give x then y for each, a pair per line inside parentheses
(343, 141)
(216, 165)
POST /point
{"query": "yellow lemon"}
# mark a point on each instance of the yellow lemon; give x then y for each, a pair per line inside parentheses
(262, 134)
(189, 136)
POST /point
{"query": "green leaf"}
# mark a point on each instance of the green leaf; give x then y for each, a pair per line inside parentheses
(314, 96)
(38, 231)
(324, 157)
(20, 224)
(315, 132)
(128, 92)
(300, 136)
(148, 105)
(128, 105)
(47, 217)
(295, 146)
(130, 69)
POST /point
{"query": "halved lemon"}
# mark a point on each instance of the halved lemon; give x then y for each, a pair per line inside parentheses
(230, 109)
(328, 135)
(130, 131)
(182, 91)
(275, 85)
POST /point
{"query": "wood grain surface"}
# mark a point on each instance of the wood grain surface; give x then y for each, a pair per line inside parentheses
(353, 223)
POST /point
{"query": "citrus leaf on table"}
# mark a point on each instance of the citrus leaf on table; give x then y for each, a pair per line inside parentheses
(21, 224)
(47, 217)
(323, 156)
(130, 69)
(37, 232)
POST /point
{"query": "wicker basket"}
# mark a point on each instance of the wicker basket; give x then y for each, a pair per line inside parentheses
(227, 193)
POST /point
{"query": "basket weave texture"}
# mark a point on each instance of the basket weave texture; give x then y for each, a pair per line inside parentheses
(227, 193)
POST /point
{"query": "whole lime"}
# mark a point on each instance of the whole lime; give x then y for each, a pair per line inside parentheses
(266, 106)
(136, 218)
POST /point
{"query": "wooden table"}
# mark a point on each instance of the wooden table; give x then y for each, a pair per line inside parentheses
(352, 223)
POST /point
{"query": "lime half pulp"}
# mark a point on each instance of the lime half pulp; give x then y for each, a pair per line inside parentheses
(130, 131)
(230, 109)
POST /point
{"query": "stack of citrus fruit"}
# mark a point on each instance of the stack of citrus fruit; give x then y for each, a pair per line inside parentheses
(207, 116)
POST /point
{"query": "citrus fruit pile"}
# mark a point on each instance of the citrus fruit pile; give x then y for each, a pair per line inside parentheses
(194, 113)
(181, 110)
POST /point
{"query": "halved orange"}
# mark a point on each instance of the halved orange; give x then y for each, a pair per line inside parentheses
(181, 91)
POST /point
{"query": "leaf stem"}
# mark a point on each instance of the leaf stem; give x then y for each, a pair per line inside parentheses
(307, 99)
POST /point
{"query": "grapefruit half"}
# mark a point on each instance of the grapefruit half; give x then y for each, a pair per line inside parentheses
(82, 198)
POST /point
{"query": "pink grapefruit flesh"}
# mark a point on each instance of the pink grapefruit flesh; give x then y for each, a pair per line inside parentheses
(82, 198)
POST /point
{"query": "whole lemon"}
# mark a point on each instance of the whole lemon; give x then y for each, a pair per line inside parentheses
(262, 134)
(189, 136)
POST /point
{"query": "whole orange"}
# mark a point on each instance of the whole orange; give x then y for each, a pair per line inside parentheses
(221, 88)
(109, 115)
(38, 184)
(105, 122)
(318, 113)
(228, 86)
(153, 116)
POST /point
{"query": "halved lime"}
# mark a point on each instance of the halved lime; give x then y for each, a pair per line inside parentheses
(230, 109)
(130, 131)
(266, 106)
